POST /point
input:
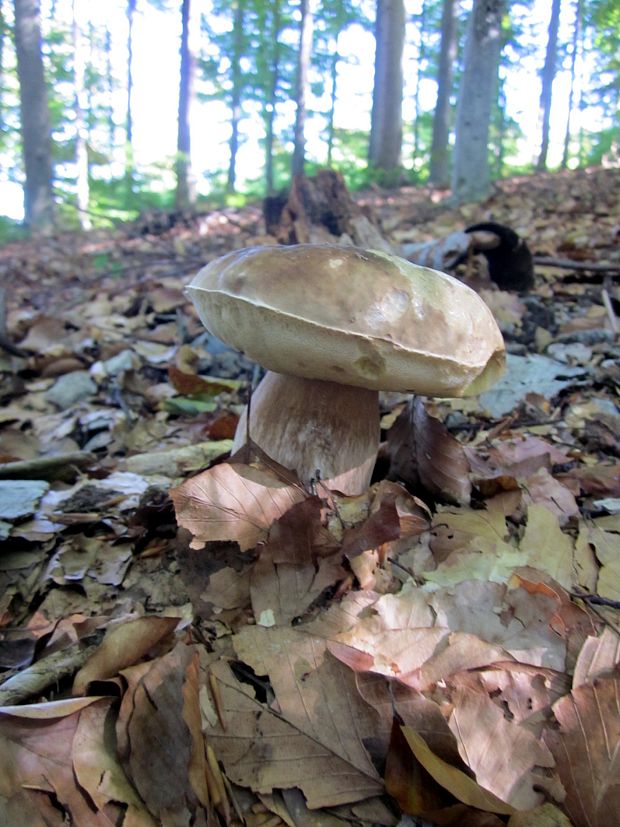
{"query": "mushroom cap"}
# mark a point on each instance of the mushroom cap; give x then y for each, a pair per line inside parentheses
(351, 316)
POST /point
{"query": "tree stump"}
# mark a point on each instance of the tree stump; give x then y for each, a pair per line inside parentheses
(321, 209)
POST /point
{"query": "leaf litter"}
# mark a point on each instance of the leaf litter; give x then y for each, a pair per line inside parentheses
(192, 639)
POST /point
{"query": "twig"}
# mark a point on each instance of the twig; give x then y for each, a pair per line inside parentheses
(613, 319)
(569, 264)
(47, 671)
(44, 467)
(597, 599)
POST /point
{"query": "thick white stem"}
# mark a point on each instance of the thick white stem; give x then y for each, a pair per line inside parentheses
(311, 426)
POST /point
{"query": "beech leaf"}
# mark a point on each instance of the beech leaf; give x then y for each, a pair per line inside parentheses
(233, 502)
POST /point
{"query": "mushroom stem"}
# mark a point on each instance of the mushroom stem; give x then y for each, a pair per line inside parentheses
(310, 426)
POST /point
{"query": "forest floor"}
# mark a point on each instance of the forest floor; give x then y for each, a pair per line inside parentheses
(442, 649)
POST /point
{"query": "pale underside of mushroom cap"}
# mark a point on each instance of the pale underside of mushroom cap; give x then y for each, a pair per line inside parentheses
(351, 316)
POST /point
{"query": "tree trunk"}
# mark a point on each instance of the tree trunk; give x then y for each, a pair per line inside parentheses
(272, 93)
(3, 32)
(418, 86)
(129, 171)
(110, 92)
(571, 94)
(386, 128)
(548, 76)
(471, 175)
(303, 65)
(333, 75)
(235, 103)
(81, 108)
(185, 195)
(35, 119)
(440, 151)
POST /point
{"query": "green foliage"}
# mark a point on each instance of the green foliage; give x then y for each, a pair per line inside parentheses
(258, 62)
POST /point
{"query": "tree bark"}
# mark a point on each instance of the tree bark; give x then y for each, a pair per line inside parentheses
(269, 111)
(303, 65)
(571, 94)
(185, 195)
(35, 119)
(333, 96)
(129, 172)
(439, 174)
(421, 59)
(81, 128)
(548, 77)
(471, 175)
(235, 103)
(386, 128)
(3, 33)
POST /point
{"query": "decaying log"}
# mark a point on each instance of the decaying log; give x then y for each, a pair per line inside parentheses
(321, 209)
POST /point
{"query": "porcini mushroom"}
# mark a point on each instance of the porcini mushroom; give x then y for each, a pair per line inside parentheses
(334, 326)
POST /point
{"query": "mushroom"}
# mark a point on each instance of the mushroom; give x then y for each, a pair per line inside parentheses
(334, 326)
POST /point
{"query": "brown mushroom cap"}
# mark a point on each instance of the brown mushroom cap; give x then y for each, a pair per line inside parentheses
(351, 316)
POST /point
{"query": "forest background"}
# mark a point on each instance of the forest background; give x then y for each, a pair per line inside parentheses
(109, 109)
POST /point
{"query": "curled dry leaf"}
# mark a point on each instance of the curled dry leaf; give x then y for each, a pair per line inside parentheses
(36, 744)
(233, 502)
(97, 766)
(123, 645)
(461, 786)
(586, 748)
(422, 451)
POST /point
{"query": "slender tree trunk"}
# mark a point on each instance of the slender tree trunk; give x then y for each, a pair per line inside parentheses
(440, 150)
(386, 128)
(270, 107)
(185, 193)
(571, 94)
(35, 119)
(333, 75)
(548, 77)
(129, 170)
(81, 107)
(471, 175)
(2, 43)
(303, 65)
(109, 108)
(235, 103)
(418, 85)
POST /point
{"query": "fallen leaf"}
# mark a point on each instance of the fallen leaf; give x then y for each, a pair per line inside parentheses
(233, 502)
(262, 750)
(461, 786)
(586, 748)
(123, 645)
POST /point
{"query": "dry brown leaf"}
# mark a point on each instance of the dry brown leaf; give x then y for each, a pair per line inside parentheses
(547, 815)
(606, 545)
(526, 691)
(598, 658)
(123, 645)
(547, 547)
(422, 451)
(160, 754)
(261, 750)
(282, 592)
(461, 786)
(36, 752)
(97, 767)
(544, 490)
(586, 748)
(314, 691)
(233, 502)
(415, 790)
(502, 754)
